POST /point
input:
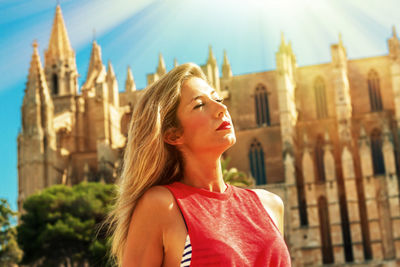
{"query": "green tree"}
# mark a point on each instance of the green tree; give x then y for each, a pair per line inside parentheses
(60, 226)
(10, 253)
(233, 176)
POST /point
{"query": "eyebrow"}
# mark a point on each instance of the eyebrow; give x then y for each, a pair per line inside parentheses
(199, 96)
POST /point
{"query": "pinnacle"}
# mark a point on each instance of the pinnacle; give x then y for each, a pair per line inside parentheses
(35, 44)
(340, 39)
(282, 39)
(95, 56)
(110, 70)
(211, 57)
(161, 62)
(161, 69)
(36, 65)
(210, 53)
(130, 82)
(283, 47)
(226, 61)
(129, 76)
(59, 45)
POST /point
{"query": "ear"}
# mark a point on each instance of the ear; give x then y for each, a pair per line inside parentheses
(173, 137)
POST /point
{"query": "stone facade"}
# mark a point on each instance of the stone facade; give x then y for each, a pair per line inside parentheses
(325, 138)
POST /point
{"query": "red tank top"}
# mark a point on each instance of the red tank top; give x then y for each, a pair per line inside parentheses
(230, 228)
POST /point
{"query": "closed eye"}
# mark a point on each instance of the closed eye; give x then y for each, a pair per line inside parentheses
(219, 100)
(199, 105)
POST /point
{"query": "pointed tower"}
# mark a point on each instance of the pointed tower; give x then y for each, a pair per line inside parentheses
(394, 45)
(36, 141)
(348, 149)
(96, 94)
(96, 72)
(394, 55)
(342, 90)
(226, 67)
(286, 83)
(211, 69)
(113, 94)
(161, 69)
(130, 82)
(60, 66)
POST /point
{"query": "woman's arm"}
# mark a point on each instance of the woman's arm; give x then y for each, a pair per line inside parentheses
(273, 204)
(144, 245)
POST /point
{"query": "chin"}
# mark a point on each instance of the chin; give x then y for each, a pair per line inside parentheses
(230, 140)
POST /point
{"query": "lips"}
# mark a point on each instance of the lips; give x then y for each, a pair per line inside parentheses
(224, 126)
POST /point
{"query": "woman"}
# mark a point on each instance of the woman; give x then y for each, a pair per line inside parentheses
(173, 206)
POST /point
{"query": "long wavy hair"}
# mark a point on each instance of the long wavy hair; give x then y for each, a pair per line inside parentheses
(148, 160)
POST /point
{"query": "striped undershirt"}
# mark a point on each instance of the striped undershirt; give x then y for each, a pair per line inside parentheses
(187, 253)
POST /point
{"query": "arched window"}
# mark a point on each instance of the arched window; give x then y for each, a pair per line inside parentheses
(320, 98)
(55, 84)
(326, 240)
(376, 150)
(257, 163)
(262, 106)
(319, 159)
(374, 91)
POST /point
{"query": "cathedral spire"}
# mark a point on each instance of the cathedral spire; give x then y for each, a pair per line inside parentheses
(59, 45)
(112, 84)
(211, 58)
(110, 71)
(394, 45)
(37, 105)
(282, 39)
(161, 69)
(96, 71)
(95, 58)
(340, 39)
(130, 82)
(282, 46)
(338, 52)
(36, 79)
(226, 67)
(59, 60)
(35, 68)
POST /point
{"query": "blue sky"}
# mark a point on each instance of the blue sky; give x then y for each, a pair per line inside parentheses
(134, 32)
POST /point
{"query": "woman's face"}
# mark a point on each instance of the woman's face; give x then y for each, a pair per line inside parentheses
(204, 119)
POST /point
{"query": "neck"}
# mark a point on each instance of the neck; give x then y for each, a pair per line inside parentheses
(204, 171)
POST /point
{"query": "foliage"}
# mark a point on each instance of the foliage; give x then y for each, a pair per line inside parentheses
(10, 254)
(60, 225)
(233, 176)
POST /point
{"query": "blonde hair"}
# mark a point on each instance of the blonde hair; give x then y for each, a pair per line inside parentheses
(148, 160)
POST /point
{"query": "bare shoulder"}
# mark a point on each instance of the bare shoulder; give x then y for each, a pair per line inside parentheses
(269, 199)
(156, 196)
(147, 224)
(273, 204)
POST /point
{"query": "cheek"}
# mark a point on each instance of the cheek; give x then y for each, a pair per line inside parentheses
(196, 125)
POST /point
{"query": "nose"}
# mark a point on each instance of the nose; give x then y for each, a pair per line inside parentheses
(221, 109)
